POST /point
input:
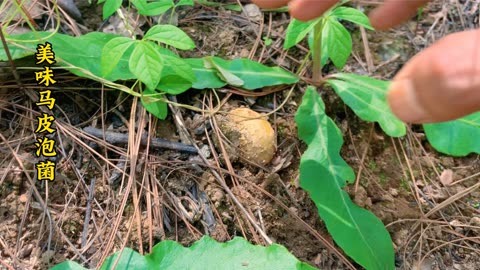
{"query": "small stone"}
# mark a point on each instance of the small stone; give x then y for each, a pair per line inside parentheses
(253, 12)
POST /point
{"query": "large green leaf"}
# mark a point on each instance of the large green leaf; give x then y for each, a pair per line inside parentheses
(177, 74)
(223, 73)
(367, 98)
(336, 42)
(170, 35)
(323, 173)
(204, 77)
(353, 15)
(206, 253)
(79, 62)
(296, 31)
(149, 8)
(145, 63)
(253, 74)
(112, 52)
(457, 138)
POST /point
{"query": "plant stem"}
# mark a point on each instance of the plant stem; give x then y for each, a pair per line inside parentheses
(317, 53)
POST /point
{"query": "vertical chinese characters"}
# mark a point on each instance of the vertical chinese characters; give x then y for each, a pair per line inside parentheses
(45, 146)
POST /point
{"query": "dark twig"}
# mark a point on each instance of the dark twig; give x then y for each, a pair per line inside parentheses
(119, 138)
(88, 211)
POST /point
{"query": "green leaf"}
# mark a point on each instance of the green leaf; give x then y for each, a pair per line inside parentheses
(154, 106)
(253, 74)
(352, 15)
(223, 73)
(297, 31)
(68, 265)
(125, 260)
(206, 253)
(457, 138)
(174, 65)
(323, 173)
(145, 63)
(112, 52)
(337, 42)
(204, 77)
(184, 3)
(110, 7)
(170, 35)
(84, 61)
(321, 134)
(367, 98)
(152, 8)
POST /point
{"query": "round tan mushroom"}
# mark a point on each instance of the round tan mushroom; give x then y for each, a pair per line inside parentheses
(256, 138)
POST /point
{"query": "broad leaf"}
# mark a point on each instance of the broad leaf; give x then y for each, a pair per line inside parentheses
(173, 64)
(352, 15)
(253, 74)
(110, 7)
(149, 8)
(153, 105)
(223, 73)
(336, 42)
(145, 63)
(457, 138)
(170, 35)
(204, 77)
(112, 52)
(206, 253)
(323, 173)
(367, 98)
(297, 31)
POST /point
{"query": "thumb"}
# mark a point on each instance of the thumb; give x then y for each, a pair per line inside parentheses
(441, 83)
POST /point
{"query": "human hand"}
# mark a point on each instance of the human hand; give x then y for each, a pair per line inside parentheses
(441, 83)
(389, 14)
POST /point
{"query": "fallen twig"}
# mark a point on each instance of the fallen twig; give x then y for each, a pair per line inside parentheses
(116, 137)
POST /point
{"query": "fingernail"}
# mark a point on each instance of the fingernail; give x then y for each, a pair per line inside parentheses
(404, 103)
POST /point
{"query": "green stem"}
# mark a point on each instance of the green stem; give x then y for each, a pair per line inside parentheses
(317, 53)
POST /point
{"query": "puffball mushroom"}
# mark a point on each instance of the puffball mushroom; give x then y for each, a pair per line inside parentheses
(251, 133)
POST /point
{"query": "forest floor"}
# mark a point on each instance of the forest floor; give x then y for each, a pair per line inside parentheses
(138, 196)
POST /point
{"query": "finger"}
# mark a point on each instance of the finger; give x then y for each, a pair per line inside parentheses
(394, 12)
(270, 3)
(440, 84)
(305, 10)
